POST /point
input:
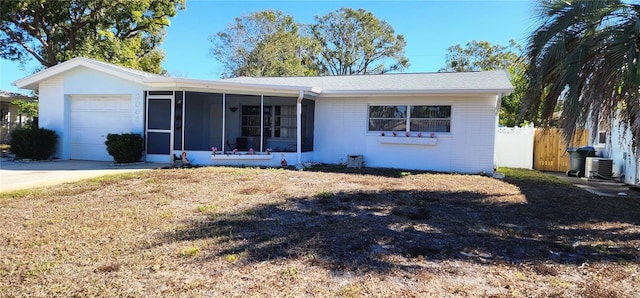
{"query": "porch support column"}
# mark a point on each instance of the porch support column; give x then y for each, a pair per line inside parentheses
(224, 120)
(261, 122)
(299, 130)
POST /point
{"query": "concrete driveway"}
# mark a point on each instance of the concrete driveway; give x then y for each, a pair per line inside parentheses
(15, 175)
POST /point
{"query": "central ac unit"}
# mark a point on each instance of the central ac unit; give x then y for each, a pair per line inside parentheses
(597, 167)
(355, 161)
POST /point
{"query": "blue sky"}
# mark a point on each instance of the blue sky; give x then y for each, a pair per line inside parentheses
(429, 28)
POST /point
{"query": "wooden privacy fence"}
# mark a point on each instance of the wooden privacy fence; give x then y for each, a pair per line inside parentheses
(550, 150)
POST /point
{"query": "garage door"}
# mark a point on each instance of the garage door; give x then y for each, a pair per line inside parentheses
(91, 119)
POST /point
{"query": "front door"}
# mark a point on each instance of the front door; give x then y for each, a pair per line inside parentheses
(159, 133)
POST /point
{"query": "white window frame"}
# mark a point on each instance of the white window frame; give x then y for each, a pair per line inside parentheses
(408, 116)
(602, 134)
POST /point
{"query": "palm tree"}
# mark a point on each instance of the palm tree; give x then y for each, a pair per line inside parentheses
(584, 58)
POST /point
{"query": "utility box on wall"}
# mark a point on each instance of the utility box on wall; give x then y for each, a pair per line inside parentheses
(355, 161)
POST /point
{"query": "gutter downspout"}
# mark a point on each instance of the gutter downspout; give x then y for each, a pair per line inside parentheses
(495, 133)
(299, 130)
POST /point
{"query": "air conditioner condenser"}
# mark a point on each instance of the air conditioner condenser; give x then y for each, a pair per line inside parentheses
(597, 167)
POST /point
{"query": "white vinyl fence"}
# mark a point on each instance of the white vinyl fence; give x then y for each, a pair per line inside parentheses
(514, 147)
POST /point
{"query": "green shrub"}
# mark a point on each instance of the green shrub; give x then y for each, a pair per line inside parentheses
(32, 142)
(126, 147)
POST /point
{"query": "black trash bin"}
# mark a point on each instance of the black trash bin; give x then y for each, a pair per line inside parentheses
(577, 159)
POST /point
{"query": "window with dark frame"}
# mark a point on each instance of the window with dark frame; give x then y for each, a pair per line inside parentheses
(387, 118)
(279, 121)
(430, 118)
(251, 120)
(602, 137)
(419, 118)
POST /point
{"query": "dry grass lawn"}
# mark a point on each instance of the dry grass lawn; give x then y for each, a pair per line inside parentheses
(246, 232)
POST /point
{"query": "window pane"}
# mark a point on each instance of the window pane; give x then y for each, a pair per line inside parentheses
(160, 92)
(160, 114)
(431, 125)
(602, 137)
(250, 110)
(387, 111)
(251, 120)
(158, 143)
(251, 131)
(286, 132)
(387, 124)
(430, 111)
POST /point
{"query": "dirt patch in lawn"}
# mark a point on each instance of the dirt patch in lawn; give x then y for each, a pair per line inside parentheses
(267, 232)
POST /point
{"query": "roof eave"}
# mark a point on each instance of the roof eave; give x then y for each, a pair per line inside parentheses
(15, 98)
(334, 93)
(228, 87)
(31, 82)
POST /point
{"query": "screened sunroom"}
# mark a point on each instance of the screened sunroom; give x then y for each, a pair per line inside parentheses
(226, 128)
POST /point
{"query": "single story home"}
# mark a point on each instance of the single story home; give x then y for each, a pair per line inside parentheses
(9, 116)
(427, 121)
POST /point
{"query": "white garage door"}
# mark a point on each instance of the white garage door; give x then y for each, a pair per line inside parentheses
(91, 119)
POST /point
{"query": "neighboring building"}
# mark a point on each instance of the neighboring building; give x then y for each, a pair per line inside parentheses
(330, 119)
(9, 117)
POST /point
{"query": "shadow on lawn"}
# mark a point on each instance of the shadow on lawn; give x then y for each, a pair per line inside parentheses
(374, 231)
(382, 172)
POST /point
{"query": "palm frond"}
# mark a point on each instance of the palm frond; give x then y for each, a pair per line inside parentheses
(585, 55)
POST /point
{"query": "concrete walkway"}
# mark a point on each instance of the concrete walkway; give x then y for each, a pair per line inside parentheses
(605, 188)
(15, 175)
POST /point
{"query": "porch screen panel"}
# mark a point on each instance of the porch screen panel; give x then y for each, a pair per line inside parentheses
(202, 121)
(280, 123)
(177, 125)
(308, 116)
(158, 143)
(160, 114)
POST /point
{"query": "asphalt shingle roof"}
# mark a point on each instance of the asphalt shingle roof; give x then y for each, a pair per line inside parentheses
(440, 81)
(9, 94)
(496, 81)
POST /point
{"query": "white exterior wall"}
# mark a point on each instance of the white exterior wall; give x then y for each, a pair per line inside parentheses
(91, 82)
(619, 148)
(55, 95)
(51, 112)
(624, 155)
(272, 160)
(341, 129)
(473, 129)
